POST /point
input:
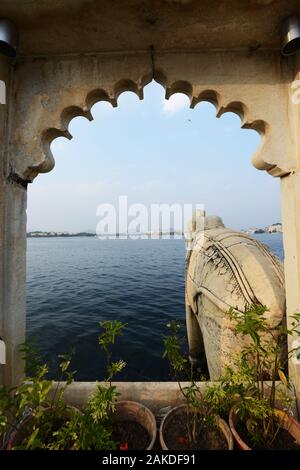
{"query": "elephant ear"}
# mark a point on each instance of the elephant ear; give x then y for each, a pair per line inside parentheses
(264, 276)
(233, 270)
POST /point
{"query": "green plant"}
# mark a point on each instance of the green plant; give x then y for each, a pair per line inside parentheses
(52, 424)
(252, 383)
(93, 429)
(6, 410)
(30, 408)
(199, 412)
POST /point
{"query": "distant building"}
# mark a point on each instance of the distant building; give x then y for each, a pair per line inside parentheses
(274, 228)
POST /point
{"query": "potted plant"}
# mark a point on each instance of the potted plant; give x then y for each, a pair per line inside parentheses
(30, 414)
(106, 423)
(193, 425)
(133, 424)
(250, 388)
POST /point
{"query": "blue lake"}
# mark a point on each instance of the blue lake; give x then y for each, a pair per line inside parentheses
(74, 283)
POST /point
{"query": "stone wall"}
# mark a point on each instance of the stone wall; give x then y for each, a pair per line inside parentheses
(61, 74)
(4, 75)
(13, 195)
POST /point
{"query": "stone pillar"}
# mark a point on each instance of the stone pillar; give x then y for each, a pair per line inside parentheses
(4, 77)
(290, 206)
(12, 248)
(14, 312)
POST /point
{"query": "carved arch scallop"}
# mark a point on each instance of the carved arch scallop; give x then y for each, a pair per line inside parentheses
(48, 94)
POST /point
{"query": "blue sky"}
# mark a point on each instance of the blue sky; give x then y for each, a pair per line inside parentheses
(154, 151)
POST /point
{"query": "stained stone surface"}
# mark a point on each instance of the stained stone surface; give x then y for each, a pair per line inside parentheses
(228, 269)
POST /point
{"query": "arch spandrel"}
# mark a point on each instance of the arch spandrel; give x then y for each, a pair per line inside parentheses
(48, 93)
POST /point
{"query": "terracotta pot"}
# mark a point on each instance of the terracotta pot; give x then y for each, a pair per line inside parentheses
(138, 413)
(17, 434)
(222, 425)
(233, 418)
(286, 421)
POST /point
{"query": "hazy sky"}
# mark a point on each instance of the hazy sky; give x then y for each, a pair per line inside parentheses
(154, 151)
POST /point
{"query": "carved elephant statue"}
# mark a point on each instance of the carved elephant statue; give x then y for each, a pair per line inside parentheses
(224, 269)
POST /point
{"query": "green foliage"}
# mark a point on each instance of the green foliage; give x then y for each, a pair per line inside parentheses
(53, 424)
(200, 414)
(111, 331)
(102, 403)
(219, 398)
(92, 430)
(245, 384)
(173, 349)
(6, 407)
(48, 411)
(86, 434)
(31, 356)
(294, 331)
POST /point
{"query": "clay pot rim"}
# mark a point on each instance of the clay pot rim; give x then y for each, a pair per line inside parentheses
(150, 416)
(231, 419)
(282, 416)
(221, 423)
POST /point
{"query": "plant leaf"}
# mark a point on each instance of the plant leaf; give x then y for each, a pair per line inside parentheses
(283, 377)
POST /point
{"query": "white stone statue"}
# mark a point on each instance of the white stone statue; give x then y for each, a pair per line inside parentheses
(226, 269)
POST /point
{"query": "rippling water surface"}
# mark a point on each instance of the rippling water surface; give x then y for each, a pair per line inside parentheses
(74, 283)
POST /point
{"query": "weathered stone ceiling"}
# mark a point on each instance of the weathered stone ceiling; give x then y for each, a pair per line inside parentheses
(66, 26)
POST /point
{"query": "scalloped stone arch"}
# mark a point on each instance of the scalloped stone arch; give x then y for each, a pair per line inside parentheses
(179, 86)
(45, 93)
(51, 93)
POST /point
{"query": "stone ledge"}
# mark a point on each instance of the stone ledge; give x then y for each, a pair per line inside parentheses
(154, 395)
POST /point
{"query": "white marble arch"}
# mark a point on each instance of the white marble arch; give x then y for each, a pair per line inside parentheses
(44, 93)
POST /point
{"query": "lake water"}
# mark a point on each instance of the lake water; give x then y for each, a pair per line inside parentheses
(74, 283)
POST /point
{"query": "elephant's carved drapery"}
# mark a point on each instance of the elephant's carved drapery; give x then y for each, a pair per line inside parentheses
(228, 269)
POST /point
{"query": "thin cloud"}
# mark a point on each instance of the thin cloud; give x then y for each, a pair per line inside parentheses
(176, 103)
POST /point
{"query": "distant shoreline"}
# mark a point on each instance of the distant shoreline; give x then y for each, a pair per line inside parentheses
(58, 235)
(129, 235)
(111, 235)
(274, 228)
